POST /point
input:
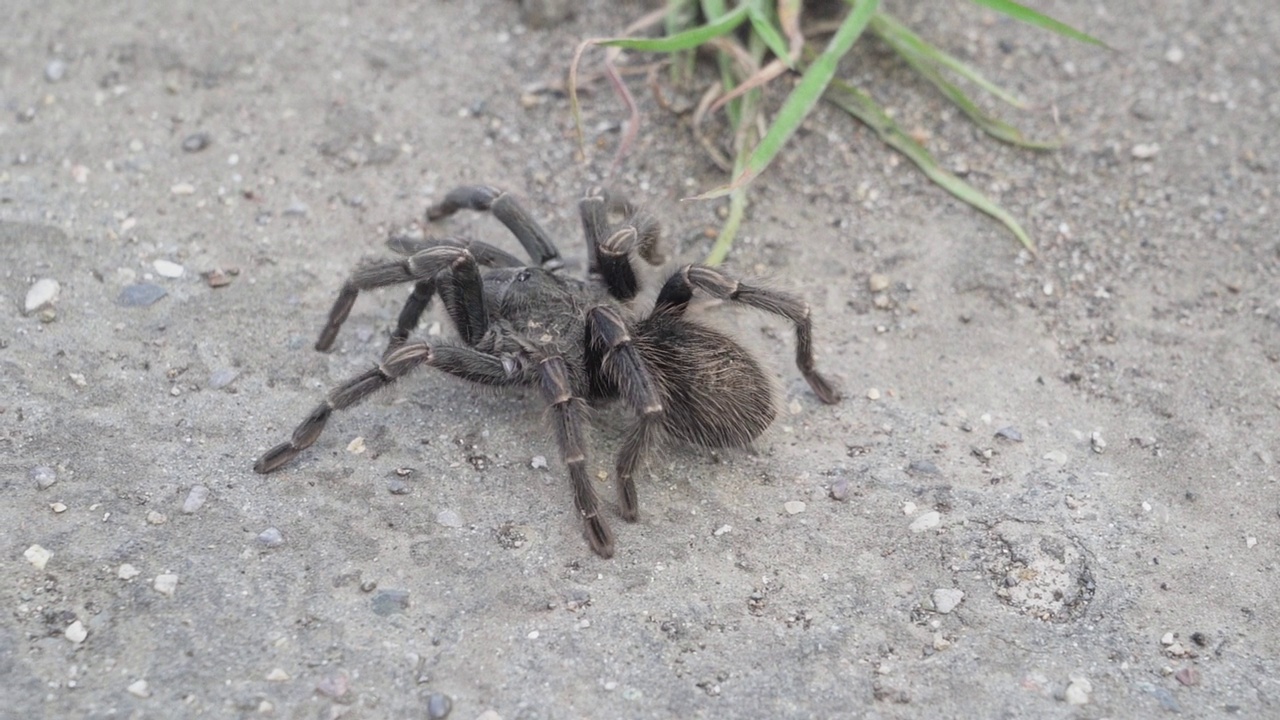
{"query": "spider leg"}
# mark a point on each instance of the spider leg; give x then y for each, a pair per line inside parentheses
(422, 266)
(462, 362)
(418, 301)
(678, 291)
(570, 416)
(607, 332)
(609, 251)
(508, 210)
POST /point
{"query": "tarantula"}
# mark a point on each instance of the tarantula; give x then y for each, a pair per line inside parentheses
(574, 339)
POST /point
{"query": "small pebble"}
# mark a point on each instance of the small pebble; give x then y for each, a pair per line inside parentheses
(923, 467)
(1250, 541)
(58, 507)
(1009, 433)
(878, 283)
(1145, 151)
(722, 530)
(217, 278)
(396, 486)
(277, 675)
(37, 556)
(169, 269)
(927, 521)
(140, 689)
(166, 584)
(43, 476)
(1167, 639)
(195, 498)
(438, 706)
(195, 142)
(794, 507)
(390, 602)
(368, 586)
(1188, 676)
(493, 714)
(909, 508)
(533, 635)
(221, 378)
(271, 537)
(1078, 691)
(1056, 456)
(156, 518)
(55, 70)
(1174, 55)
(128, 572)
(946, 599)
(449, 518)
(873, 394)
(840, 490)
(1096, 442)
(334, 686)
(297, 208)
(183, 189)
(75, 632)
(78, 379)
(41, 293)
(538, 462)
(140, 295)
(356, 446)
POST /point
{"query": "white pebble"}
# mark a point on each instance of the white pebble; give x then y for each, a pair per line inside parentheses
(140, 689)
(927, 521)
(183, 189)
(75, 632)
(78, 379)
(1250, 541)
(195, 499)
(37, 556)
(449, 518)
(1078, 691)
(128, 572)
(1167, 639)
(794, 507)
(873, 394)
(1056, 456)
(1145, 151)
(1174, 55)
(946, 599)
(355, 447)
(166, 584)
(271, 537)
(42, 292)
(277, 675)
(165, 268)
(1097, 442)
(909, 508)
(877, 283)
(58, 507)
(533, 635)
(722, 530)
(538, 462)
(1146, 506)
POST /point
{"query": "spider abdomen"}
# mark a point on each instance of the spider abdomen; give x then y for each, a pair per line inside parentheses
(714, 392)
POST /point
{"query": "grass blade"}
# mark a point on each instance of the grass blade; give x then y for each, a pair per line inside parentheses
(686, 40)
(903, 40)
(860, 105)
(806, 94)
(1031, 17)
(763, 26)
(990, 124)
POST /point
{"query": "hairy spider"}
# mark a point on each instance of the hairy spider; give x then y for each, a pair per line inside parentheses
(574, 339)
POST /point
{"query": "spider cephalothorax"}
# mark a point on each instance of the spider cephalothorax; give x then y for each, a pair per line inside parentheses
(576, 340)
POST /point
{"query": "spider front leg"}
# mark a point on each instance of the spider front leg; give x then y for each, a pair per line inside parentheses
(678, 291)
(510, 212)
(462, 362)
(570, 417)
(609, 250)
(608, 335)
(422, 267)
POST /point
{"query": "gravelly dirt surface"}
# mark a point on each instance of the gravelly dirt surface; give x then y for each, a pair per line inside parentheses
(1094, 428)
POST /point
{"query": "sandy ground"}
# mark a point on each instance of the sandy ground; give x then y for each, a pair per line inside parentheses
(1058, 474)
